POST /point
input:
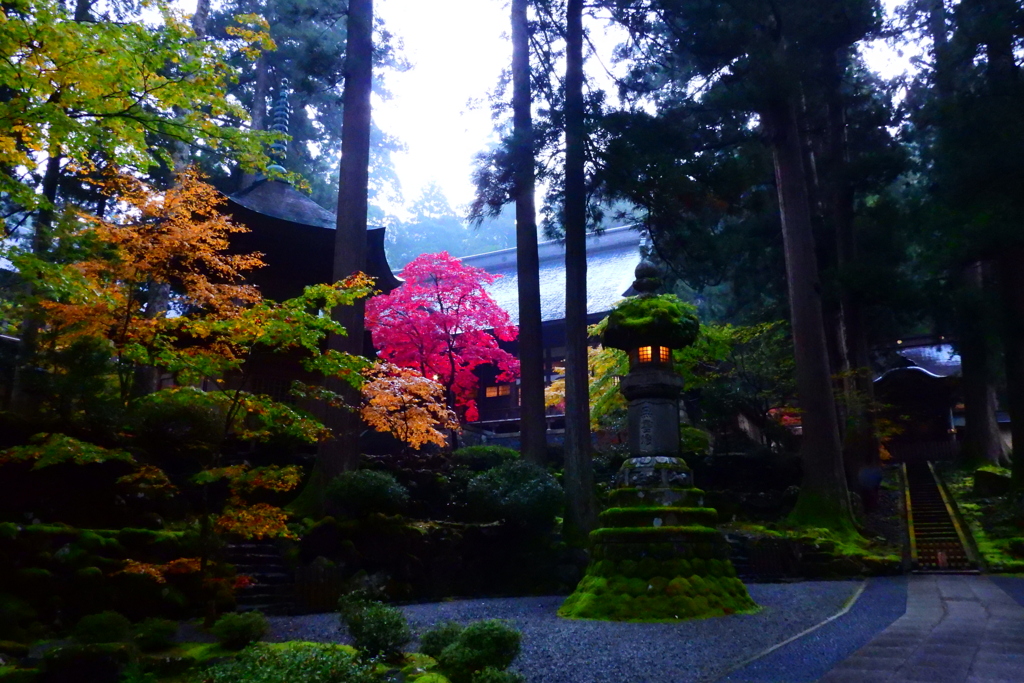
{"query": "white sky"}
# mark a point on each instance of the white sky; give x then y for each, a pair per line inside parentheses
(457, 52)
(438, 109)
(457, 49)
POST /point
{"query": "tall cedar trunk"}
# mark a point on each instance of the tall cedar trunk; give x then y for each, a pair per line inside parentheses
(860, 443)
(532, 424)
(28, 332)
(146, 378)
(981, 438)
(579, 476)
(341, 453)
(261, 88)
(823, 500)
(201, 18)
(1003, 80)
(1011, 276)
(977, 353)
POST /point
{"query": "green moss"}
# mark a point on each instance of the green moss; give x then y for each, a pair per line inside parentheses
(663, 320)
(994, 469)
(994, 523)
(649, 534)
(13, 674)
(667, 516)
(821, 512)
(634, 497)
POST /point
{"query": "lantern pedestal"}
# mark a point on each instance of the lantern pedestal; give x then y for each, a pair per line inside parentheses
(658, 555)
(653, 395)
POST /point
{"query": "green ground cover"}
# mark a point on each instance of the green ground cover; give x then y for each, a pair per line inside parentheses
(995, 522)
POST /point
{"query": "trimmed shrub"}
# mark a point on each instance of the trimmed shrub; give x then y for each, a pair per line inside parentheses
(153, 635)
(434, 641)
(306, 662)
(105, 627)
(377, 630)
(92, 663)
(237, 629)
(364, 492)
(518, 492)
(483, 458)
(491, 643)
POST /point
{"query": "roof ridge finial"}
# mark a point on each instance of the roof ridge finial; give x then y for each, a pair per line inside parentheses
(280, 114)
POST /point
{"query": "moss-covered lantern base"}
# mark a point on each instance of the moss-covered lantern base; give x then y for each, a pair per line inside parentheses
(658, 556)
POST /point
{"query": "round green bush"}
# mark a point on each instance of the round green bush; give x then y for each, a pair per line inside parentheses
(377, 630)
(87, 663)
(235, 630)
(483, 458)
(434, 641)
(483, 644)
(105, 627)
(153, 635)
(305, 662)
(364, 492)
(518, 492)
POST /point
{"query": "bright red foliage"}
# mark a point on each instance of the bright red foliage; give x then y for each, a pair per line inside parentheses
(443, 323)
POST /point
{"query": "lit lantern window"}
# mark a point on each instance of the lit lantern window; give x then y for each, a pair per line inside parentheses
(645, 354)
(663, 353)
(495, 391)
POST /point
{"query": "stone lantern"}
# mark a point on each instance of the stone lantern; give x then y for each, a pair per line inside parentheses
(658, 555)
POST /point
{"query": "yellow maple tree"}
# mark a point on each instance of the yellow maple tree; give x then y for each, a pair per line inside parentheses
(402, 402)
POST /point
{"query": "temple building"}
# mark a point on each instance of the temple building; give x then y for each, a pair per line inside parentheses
(612, 256)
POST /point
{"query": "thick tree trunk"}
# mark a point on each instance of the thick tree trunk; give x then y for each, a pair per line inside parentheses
(261, 88)
(341, 453)
(579, 476)
(532, 424)
(42, 241)
(977, 362)
(1003, 79)
(859, 439)
(824, 499)
(201, 18)
(1011, 281)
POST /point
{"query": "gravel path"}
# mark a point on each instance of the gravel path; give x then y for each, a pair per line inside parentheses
(1013, 585)
(807, 659)
(563, 651)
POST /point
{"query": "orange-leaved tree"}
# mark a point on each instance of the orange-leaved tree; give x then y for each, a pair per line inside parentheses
(402, 402)
(93, 298)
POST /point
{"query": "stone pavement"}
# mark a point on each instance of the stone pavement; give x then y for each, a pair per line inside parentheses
(957, 629)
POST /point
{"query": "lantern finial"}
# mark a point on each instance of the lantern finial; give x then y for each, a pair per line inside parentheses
(647, 279)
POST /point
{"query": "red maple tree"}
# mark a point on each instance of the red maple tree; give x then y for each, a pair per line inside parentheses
(442, 323)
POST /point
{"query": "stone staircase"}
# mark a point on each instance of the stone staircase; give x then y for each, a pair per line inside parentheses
(274, 587)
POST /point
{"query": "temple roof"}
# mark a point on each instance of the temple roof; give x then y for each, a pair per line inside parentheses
(296, 237)
(937, 361)
(940, 360)
(279, 199)
(612, 257)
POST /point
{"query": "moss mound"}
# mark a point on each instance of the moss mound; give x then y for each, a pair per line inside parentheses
(656, 560)
(651, 320)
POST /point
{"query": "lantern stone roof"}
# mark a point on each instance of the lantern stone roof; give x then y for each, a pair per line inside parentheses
(612, 258)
